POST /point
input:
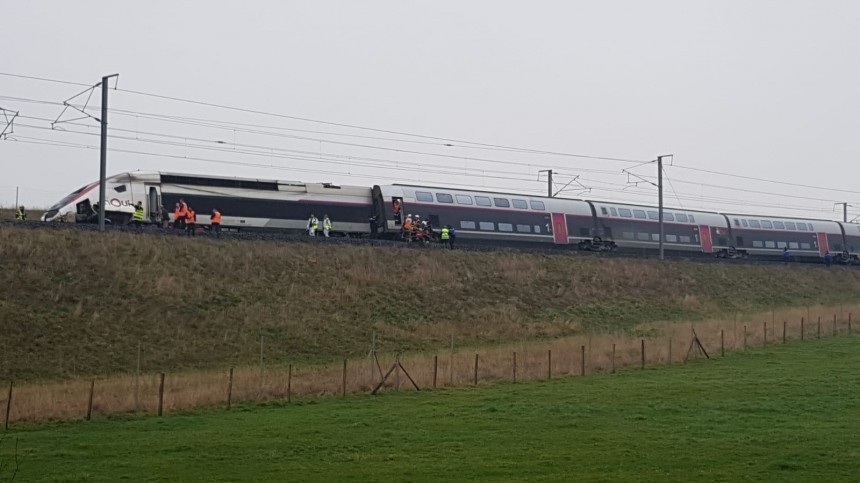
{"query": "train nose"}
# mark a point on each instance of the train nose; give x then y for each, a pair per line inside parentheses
(49, 215)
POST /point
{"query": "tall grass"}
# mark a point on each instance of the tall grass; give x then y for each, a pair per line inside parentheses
(665, 343)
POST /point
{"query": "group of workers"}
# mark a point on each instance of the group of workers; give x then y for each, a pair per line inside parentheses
(314, 225)
(418, 230)
(184, 217)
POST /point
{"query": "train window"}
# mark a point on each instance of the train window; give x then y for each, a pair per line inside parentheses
(520, 204)
(424, 196)
(758, 244)
(524, 228)
(506, 227)
(655, 237)
(501, 202)
(464, 199)
(628, 235)
(793, 245)
(444, 198)
(805, 246)
(737, 223)
(685, 239)
(537, 228)
(680, 217)
(671, 238)
(625, 213)
(769, 244)
(802, 227)
(744, 223)
(120, 188)
(668, 217)
(858, 228)
(781, 244)
(766, 224)
(692, 220)
(538, 205)
(779, 225)
(810, 227)
(643, 236)
(639, 214)
(482, 201)
(754, 224)
(613, 211)
(487, 225)
(603, 210)
(467, 225)
(790, 225)
(653, 215)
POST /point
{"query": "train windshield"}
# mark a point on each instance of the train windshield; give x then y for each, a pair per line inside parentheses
(71, 197)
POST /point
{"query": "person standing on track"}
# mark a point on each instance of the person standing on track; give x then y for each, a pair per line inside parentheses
(828, 258)
(215, 222)
(313, 225)
(20, 214)
(137, 219)
(453, 234)
(179, 214)
(445, 237)
(190, 221)
(326, 225)
(786, 256)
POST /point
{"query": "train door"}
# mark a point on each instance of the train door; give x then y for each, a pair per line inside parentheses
(559, 229)
(153, 204)
(705, 236)
(823, 247)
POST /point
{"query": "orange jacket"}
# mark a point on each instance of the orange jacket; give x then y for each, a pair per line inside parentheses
(191, 217)
(216, 216)
(408, 224)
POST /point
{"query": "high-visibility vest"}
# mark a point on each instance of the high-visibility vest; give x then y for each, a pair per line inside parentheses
(315, 224)
(138, 213)
(20, 215)
(178, 214)
(216, 216)
(183, 210)
(191, 217)
(327, 224)
(445, 234)
(408, 224)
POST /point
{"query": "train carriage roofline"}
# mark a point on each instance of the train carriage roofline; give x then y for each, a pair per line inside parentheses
(469, 190)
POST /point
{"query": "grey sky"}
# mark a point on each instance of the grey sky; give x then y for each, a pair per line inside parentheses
(764, 89)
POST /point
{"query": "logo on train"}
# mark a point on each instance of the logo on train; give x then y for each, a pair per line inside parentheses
(119, 203)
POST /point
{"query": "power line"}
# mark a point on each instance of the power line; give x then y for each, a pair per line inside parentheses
(45, 79)
(798, 185)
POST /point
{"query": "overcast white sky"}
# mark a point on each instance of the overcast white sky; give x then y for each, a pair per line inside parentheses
(765, 89)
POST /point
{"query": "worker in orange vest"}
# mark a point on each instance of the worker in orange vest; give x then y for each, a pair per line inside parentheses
(190, 221)
(179, 215)
(215, 222)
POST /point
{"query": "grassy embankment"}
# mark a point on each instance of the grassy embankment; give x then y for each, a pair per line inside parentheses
(784, 413)
(80, 303)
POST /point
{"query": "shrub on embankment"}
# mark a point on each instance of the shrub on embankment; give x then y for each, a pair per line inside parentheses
(79, 303)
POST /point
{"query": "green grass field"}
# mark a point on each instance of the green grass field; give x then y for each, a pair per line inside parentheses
(784, 413)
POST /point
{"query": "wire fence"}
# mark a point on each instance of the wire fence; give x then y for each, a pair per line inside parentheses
(654, 344)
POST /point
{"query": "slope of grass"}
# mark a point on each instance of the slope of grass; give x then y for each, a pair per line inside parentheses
(78, 303)
(784, 413)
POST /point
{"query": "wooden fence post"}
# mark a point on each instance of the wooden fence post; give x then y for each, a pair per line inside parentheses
(670, 350)
(642, 352)
(613, 358)
(819, 327)
(784, 326)
(549, 364)
(435, 369)
(343, 384)
(764, 331)
(161, 395)
(515, 366)
(834, 324)
(722, 343)
(745, 337)
(90, 401)
(230, 389)
(476, 369)
(9, 404)
(582, 361)
(849, 323)
(802, 329)
(290, 383)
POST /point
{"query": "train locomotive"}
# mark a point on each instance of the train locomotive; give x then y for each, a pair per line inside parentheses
(481, 217)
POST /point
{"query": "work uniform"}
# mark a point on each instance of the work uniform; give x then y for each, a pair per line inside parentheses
(313, 225)
(215, 221)
(326, 226)
(190, 221)
(179, 215)
(20, 214)
(445, 236)
(137, 219)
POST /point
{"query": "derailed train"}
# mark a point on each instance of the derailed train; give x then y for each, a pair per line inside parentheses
(477, 216)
